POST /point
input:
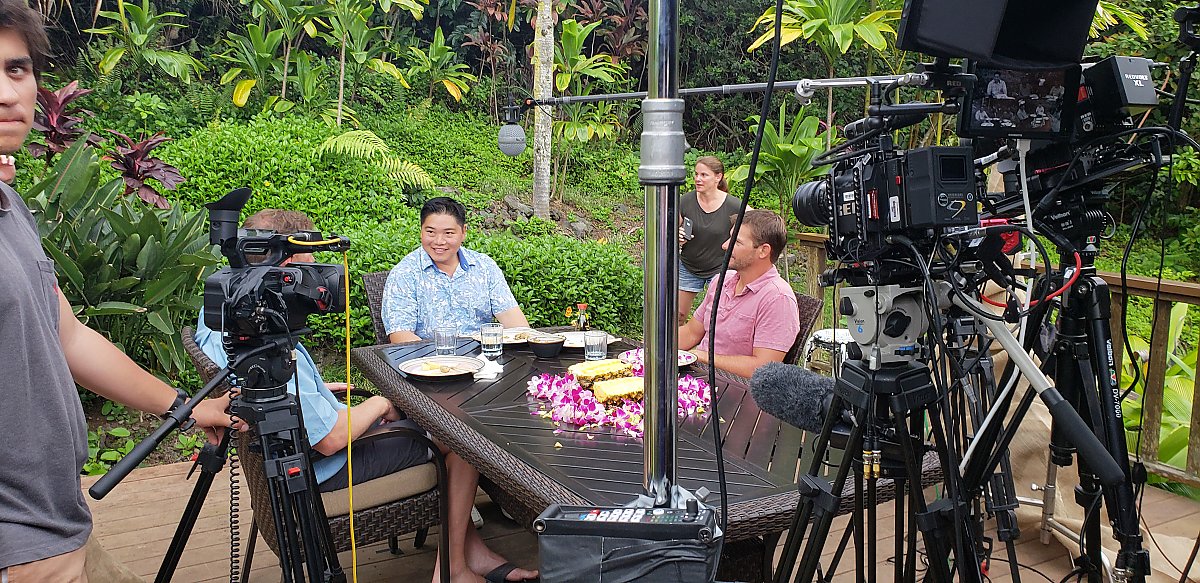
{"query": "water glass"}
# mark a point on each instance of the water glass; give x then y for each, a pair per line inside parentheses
(595, 345)
(445, 340)
(491, 338)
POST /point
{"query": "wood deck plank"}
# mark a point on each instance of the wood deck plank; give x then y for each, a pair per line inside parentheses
(137, 520)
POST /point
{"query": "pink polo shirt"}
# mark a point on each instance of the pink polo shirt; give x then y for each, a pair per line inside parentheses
(764, 315)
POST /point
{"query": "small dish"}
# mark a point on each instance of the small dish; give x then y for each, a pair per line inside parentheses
(546, 345)
(635, 356)
(441, 367)
(518, 335)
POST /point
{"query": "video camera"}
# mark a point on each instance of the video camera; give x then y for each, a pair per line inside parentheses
(1072, 115)
(255, 296)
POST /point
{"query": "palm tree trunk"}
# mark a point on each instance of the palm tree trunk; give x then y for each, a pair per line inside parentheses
(287, 54)
(543, 65)
(341, 80)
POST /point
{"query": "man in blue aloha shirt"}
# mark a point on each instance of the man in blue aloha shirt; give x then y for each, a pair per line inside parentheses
(443, 284)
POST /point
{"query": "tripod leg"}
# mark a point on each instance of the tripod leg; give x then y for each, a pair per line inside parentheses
(250, 551)
(210, 461)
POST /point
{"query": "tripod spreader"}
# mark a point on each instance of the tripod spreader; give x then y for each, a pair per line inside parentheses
(1061, 410)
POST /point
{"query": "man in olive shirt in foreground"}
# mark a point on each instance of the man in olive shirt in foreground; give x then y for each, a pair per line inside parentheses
(44, 521)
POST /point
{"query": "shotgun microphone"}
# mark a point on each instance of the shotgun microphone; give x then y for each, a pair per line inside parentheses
(796, 396)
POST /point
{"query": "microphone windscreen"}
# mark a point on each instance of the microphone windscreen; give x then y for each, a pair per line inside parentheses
(792, 394)
(511, 139)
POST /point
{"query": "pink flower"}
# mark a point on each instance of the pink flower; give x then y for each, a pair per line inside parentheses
(570, 403)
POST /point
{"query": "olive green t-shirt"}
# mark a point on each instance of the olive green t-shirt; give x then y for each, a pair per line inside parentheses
(42, 511)
(703, 254)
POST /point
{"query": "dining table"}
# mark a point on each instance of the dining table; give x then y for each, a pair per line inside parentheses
(528, 461)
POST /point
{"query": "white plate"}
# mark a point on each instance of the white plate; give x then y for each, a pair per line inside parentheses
(575, 339)
(440, 367)
(518, 335)
(632, 356)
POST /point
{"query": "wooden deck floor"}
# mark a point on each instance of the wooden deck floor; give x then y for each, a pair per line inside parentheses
(137, 520)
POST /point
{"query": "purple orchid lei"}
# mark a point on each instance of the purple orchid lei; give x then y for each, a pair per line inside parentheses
(564, 401)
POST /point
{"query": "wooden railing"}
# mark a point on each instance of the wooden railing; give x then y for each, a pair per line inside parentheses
(812, 260)
(1164, 297)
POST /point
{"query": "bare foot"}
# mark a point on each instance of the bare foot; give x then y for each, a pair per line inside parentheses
(456, 576)
(483, 560)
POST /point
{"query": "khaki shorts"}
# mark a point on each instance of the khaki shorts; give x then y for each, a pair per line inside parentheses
(87, 563)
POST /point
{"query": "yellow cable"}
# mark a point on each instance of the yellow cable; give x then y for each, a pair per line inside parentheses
(296, 241)
(349, 422)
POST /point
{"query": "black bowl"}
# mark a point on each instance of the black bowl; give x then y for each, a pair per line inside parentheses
(546, 345)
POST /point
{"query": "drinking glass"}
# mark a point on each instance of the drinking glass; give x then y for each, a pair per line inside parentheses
(491, 338)
(595, 345)
(445, 340)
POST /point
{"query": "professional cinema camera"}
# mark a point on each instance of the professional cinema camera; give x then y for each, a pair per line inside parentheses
(260, 303)
(254, 296)
(915, 236)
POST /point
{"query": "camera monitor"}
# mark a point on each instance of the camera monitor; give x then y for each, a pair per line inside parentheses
(1004, 33)
(1034, 104)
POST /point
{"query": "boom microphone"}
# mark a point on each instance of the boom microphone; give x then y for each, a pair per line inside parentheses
(796, 396)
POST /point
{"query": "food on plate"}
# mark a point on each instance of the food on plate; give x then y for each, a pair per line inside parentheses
(442, 368)
(612, 391)
(587, 373)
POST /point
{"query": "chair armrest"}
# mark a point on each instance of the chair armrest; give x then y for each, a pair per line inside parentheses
(380, 432)
(341, 396)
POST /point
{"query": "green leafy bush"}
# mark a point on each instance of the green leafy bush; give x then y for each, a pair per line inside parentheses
(550, 273)
(547, 274)
(275, 157)
(129, 271)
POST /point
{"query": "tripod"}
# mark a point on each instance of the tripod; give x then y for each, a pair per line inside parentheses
(1083, 366)
(891, 395)
(277, 425)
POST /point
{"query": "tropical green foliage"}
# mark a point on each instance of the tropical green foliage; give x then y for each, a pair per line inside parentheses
(832, 25)
(129, 271)
(438, 65)
(365, 145)
(255, 55)
(1178, 386)
(785, 160)
(137, 30)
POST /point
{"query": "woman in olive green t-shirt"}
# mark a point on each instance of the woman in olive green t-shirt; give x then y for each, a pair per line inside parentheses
(708, 210)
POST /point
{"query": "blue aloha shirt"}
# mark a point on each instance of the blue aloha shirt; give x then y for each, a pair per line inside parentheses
(318, 404)
(419, 296)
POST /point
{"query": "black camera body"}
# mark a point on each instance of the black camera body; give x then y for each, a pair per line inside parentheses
(265, 300)
(884, 192)
(256, 297)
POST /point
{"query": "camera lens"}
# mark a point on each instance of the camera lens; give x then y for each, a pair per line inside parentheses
(811, 203)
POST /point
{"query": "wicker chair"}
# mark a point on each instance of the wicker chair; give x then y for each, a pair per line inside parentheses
(411, 500)
(373, 284)
(810, 311)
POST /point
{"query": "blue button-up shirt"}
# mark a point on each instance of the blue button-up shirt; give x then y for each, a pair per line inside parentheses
(419, 296)
(318, 404)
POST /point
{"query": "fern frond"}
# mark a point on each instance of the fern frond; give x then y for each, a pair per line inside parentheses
(407, 175)
(361, 144)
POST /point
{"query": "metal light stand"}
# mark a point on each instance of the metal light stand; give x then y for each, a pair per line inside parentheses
(662, 172)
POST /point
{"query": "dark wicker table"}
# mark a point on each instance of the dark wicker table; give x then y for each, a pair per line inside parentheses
(527, 466)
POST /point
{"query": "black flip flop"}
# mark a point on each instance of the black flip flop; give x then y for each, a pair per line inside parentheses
(500, 574)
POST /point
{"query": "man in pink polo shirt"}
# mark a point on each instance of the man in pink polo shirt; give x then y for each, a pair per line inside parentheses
(757, 320)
